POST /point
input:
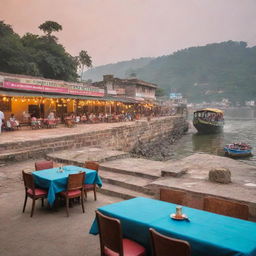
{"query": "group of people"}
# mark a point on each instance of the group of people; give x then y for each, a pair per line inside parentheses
(10, 123)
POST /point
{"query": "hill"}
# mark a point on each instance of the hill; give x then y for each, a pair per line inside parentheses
(206, 73)
(123, 69)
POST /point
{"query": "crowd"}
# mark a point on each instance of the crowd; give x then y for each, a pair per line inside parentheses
(71, 119)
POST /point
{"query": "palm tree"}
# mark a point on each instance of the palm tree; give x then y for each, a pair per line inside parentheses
(85, 60)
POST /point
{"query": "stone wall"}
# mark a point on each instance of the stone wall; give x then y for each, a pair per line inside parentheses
(121, 138)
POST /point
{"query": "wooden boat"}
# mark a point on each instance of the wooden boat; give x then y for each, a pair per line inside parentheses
(238, 150)
(208, 120)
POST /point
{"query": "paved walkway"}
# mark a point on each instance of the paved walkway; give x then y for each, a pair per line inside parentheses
(49, 232)
(26, 133)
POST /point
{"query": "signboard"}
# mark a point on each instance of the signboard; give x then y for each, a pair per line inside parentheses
(50, 87)
(175, 96)
(111, 92)
(145, 95)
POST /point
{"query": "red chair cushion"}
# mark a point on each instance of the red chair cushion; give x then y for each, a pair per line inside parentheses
(38, 192)
(89, 186)
(71, 193)
(130, 247)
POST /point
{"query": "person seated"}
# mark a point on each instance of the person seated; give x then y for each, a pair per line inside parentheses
(35, 123)
(83, 118)
(13, 122)
(77, 120)
(51, 116)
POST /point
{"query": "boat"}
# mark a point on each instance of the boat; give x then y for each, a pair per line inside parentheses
(209, 120)
(238, 150)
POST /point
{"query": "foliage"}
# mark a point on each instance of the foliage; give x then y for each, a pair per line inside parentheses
(160, 92)
(36, 55)
(207, 73)
(49, 26)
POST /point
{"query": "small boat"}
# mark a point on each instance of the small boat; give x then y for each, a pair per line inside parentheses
(208, 120)
(238, 150)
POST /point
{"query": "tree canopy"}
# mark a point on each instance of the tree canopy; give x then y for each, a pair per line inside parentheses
(49, 26)
(36, 55)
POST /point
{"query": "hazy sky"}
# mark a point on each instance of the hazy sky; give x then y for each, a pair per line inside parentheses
(114, 30)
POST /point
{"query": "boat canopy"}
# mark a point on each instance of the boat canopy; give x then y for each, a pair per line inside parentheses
(215, 110)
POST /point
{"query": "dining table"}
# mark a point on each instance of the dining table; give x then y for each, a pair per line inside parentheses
(55, 180)
(209, 234)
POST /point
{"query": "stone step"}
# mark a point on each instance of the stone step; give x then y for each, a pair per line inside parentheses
(78, 156)
(127, 181)
(135, 166)
(22, 155)
(124, 193)
(128, 172)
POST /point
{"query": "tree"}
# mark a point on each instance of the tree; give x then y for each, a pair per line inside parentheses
(49, 26)
(85, 60)
(160, 92)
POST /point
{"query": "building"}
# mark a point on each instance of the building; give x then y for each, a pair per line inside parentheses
(27, 95)
(129, 88)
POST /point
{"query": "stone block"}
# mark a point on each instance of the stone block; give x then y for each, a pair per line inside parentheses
(220, 175)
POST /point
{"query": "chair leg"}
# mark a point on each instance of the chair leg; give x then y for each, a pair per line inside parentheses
(42, 202)
(25, 202)
(67, 206)
(82, 201)
(85, 194)
(33, 207)
(95, 196)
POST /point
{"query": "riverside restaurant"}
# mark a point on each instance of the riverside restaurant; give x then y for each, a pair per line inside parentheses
(25, 96)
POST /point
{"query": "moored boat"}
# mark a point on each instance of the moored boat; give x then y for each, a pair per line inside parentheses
(208, 120)
(238, 150)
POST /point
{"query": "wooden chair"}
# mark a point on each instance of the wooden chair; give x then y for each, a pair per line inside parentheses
(42, 165)
(32, 192)
(167, 246)
(91, 187)
(74, 189)
(173, 196)
(112, 242)
(226, 207)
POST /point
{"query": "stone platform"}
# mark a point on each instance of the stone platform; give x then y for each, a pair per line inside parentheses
(195, 181)
(129, 177)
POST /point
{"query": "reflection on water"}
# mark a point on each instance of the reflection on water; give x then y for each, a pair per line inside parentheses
(234, 131)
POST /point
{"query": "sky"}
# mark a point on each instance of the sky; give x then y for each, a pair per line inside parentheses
(116, 30)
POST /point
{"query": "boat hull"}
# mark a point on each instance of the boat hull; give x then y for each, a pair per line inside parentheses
(237, 152)
(207, 128)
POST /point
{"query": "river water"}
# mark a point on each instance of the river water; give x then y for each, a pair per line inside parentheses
(236, 129)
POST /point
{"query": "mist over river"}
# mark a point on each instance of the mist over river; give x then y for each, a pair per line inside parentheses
(240, 126)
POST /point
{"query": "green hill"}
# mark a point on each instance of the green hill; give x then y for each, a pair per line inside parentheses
(205, 73)
(122, 69)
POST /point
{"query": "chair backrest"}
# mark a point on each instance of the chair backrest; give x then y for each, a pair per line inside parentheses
(172, 196)
(28, 181)
(110, 233)
(92, 165)
(42, 165)
(76, 181)
(166, 246)
(226, 207)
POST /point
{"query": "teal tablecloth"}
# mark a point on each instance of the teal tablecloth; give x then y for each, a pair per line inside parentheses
(209, 234)
(56, 181)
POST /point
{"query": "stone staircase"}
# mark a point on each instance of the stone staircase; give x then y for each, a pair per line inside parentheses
(124, 185)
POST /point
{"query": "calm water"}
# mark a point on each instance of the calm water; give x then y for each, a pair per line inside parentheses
(234, 131)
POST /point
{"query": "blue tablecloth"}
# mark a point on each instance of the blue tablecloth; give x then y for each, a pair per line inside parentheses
(56, 181)
(209, 234)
